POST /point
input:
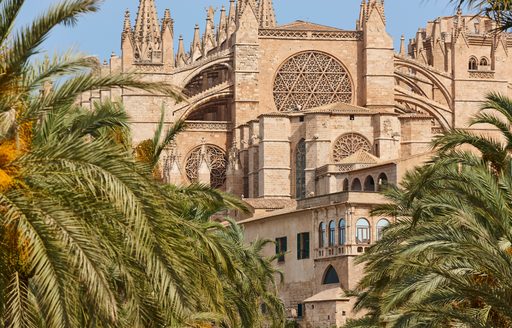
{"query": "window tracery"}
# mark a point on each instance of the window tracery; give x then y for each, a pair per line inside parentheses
(311, 79)
(215, 159)
(349, 144)
(473, 64)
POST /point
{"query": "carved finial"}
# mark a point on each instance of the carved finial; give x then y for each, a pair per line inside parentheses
(221, 30)
(167, 15)
(181, 57)
(127, 26)
(209, 41)
(402, 46)
(196, 51)
(231, 24)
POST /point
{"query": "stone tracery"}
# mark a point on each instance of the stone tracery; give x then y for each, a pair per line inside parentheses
(349, 144)
(311, 79)
(215, 159)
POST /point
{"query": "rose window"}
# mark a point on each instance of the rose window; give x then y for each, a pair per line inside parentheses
(216, 161)
(311, 79)
(349, 144)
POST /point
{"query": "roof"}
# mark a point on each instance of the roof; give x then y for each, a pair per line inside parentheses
(340, 107)
(333, 294)
(271, 204)
(360, 157)
(300, 25)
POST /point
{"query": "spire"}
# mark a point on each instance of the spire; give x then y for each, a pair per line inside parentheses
(222, 29)
(266, 14)
(127, 46)
(195, 50)
(231, 24)
(375, 6)
(402, 46)
(127, 26)
(362, 15)
(168, 39)
(245, 4)
(181, 57)
(209, 33)
(147, 32)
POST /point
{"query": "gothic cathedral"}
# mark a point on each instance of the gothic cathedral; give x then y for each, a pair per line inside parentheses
(306, 123)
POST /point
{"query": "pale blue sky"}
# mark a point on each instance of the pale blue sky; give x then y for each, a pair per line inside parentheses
(99, 34)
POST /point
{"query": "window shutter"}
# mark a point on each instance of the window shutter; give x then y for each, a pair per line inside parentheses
(299, 242)
(306, 245)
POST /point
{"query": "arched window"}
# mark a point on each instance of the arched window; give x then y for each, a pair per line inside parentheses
(356, 185)
(300, 170)
(362, 231)
(342, 232)
(321, 235)
(331, 276)
(332, 231)
(345, 184)
(369, 184)
(484, 62)
(381, 225)
(382, 181)
(348, 144)
(473, 64)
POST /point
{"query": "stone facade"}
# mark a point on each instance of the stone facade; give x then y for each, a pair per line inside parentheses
(307, 122)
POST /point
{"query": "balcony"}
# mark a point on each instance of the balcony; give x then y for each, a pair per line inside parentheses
(340, 250)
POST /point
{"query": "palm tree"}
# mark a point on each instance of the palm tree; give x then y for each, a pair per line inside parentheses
(494, 150)
(87, 237)
(447, 261)
(499, 11)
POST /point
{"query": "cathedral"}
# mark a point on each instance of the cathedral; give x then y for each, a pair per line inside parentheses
(306, 123)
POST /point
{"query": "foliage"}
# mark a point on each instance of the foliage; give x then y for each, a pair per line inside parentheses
(499, 11)
(87, 237)
(447, 261)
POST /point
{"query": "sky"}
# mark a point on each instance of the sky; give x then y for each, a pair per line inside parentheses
(99, 34)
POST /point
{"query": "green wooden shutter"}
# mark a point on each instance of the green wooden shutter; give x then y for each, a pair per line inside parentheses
(306, 245)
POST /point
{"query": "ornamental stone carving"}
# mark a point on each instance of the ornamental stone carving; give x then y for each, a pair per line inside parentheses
(311, 79)
(349, 144)
(215, 159)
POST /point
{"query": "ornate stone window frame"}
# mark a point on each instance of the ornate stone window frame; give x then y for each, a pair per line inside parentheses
(310, 79)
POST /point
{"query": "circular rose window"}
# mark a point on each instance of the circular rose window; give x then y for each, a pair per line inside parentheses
(311, 79)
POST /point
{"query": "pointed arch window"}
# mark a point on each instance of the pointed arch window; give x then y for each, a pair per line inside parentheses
(484, 62)
(330, 276)
(300, 170)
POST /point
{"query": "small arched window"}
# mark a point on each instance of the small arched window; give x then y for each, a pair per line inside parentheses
(345, 184)
(382, 181)
(369, 184)
(332, 231)
(363, 231)
(473, 64)
(356, 185)
(484, 62)
(331, 276)
(381, 225)
(321, 235)
(300, 170)
(342, 232)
